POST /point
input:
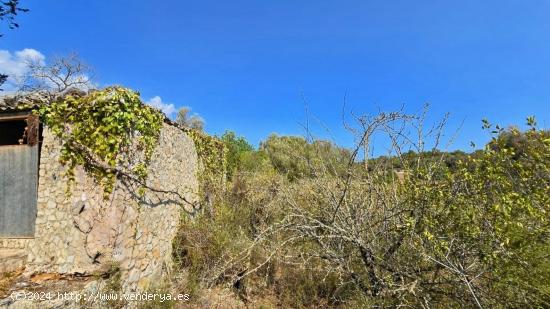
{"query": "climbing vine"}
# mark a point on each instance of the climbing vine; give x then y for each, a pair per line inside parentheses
(108, 132)
(211, 152)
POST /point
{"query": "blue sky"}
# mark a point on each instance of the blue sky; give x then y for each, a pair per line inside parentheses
(249, 66)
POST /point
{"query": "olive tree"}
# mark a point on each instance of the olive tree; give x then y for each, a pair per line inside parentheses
(188, 120)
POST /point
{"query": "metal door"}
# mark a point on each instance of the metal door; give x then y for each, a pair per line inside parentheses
(18, 190)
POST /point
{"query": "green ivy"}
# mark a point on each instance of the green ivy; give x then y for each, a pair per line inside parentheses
(212, 154)
(102, 130)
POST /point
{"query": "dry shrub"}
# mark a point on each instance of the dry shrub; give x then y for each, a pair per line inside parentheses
(474, 235)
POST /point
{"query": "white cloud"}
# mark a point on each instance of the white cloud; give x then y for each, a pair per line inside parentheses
(15, 64)
(168, 108)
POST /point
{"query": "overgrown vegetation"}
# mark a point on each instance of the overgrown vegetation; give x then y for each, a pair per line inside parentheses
(109, 132)
(301, 222)
(7, 280)
(211, 173)
(304, 223)
(191, 121)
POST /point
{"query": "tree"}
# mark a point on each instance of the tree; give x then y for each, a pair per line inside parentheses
(236, 146)
(3, 78)
(473, 233)
(58, 76)
(184, 118)
(296, 157)
(8, 12)
(473, 237)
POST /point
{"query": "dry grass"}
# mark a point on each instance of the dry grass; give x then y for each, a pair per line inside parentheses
(7, 280)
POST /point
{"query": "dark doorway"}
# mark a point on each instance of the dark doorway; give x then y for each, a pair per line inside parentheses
(13, 132)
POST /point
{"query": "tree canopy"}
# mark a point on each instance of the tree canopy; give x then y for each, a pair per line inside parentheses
(188, 120)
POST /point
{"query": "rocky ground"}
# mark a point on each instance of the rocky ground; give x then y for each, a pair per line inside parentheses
(47, 290)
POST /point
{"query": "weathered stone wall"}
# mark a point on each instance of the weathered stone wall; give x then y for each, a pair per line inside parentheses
(79, 231)
(14, 243)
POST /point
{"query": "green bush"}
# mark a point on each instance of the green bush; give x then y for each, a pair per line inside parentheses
(458, 230)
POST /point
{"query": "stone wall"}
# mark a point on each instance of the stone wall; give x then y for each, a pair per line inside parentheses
(79, 231)
(14, 243)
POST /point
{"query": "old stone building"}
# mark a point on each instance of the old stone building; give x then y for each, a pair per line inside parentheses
(50, 228)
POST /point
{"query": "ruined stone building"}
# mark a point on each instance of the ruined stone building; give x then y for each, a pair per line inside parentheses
(47, 228)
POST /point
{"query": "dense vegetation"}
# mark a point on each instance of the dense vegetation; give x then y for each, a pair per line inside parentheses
(301, 222)
(305, 223)
(109, 132)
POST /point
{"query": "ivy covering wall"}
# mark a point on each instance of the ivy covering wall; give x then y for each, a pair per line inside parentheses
(111, 132)
(108, 132)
